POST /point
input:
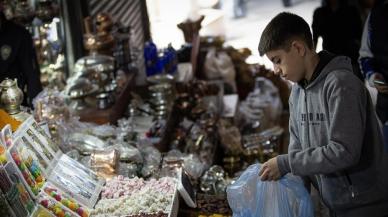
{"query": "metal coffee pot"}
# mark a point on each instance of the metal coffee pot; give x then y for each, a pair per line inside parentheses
(11, 96)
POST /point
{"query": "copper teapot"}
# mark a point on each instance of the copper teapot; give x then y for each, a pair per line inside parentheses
(11, 96)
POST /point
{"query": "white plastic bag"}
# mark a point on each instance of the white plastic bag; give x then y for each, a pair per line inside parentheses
(250, 197)
(261, 109)
(219, 65)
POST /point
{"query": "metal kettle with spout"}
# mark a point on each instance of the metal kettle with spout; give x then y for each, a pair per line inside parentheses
(11, 96)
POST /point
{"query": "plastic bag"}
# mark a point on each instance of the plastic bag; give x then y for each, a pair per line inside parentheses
(250, 197)
(261, 109)
(50, 106)
(152, 158)
(266, 93)
(193, 165)
(220, 65)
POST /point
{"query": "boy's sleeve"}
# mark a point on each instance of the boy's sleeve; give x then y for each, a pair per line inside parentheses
(346, 99)
(294, 145)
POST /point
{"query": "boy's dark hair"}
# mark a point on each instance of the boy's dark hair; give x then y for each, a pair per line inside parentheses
(281, 30)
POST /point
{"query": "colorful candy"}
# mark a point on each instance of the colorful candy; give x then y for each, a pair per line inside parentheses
(55, 208)
(3, 158)
(25, 172)
(69, 203)
(31, 172)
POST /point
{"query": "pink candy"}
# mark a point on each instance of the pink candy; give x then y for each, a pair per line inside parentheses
(122, 186)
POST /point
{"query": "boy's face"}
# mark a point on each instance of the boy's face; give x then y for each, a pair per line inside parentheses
(289, 64)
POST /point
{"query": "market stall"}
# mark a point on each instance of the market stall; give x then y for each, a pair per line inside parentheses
(172, 153)
(99, 144)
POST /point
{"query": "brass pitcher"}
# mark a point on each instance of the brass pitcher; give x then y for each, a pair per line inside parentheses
(11, 96)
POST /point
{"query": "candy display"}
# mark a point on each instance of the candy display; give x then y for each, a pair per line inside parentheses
(42, 162)
(40, 132)
(71, 188)
(136, 197)
(43, 148)
(167, 144)
(5, 209)
(32, 134)
(81, 187)
(12, 186)
(70, 174)
(28, 166)
(80, 169)
(144, 202)
(5, 183)
(40, 211)
(3, 157)
(6, 136)
(121, 186)
(54, 206)
(24, 197)
(66, 201)
(15, 200)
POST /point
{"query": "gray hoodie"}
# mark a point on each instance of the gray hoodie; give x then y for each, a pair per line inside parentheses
(336, 141)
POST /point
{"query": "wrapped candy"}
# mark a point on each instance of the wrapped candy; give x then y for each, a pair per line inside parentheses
(54, 207)
(66, 201)
(105, 162)
(121, 186)
(30, 172)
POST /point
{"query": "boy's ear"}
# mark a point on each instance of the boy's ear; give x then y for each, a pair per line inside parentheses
(299, 47)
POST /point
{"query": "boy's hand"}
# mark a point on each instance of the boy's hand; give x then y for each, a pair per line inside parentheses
(269, 170)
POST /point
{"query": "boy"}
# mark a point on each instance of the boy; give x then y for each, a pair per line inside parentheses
(335, 140)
